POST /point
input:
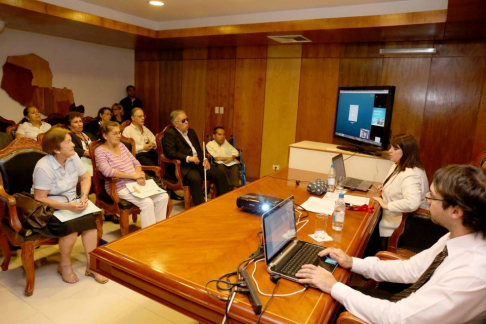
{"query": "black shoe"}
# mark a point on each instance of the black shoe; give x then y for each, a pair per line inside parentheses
(113, 218)
(175, 196)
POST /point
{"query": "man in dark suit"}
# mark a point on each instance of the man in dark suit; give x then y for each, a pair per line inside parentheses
(130, 101)
(180, 142)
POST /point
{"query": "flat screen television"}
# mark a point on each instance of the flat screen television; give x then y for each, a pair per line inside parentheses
(363, 118)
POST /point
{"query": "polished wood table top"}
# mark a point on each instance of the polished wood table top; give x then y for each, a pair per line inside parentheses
(172, 261)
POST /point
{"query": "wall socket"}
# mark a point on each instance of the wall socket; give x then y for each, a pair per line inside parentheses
(276, 167)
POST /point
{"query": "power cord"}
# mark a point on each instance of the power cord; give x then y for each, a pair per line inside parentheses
(269, 295)
(268, 302)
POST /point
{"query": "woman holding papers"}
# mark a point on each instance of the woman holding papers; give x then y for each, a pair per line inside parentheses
(404, 187)
(114, 160)
(54, 183)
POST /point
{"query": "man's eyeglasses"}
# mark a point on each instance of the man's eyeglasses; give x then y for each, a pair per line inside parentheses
(429, 198)
(141, 116)
(182, 121)
(115, 134)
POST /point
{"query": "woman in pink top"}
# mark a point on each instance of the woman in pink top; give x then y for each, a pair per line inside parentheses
(113, 159)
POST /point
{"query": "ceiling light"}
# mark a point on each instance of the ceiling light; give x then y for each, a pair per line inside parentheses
(407, 51)
(156, 3)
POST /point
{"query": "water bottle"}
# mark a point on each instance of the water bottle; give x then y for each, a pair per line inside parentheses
(331, 179)
(339, 211)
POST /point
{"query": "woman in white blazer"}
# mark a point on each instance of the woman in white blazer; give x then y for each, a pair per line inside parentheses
(404, 187)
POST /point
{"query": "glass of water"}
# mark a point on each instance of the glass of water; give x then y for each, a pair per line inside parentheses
(321, 225)
(339, 184)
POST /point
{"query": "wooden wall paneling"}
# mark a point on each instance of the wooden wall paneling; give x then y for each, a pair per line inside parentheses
(281, 51)
(410, 77)
(194, 103)
(248, 112)
(199, 53)
(317, 99)
(321, 50)
(247, 52)
(220, 93)
(147, 82)
(362, 49)
(280, 112)
(461, 48)
(360, 72)
(480, 135)
(451, 111)
(170, 91)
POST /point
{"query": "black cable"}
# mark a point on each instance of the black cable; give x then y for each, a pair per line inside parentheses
(295, 180)
(268, 302)
(351, 156)
(306, 211)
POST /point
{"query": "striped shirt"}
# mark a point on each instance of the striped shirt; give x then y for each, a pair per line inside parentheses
(108, 163)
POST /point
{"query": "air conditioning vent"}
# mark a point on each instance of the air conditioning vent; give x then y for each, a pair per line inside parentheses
(288, 39)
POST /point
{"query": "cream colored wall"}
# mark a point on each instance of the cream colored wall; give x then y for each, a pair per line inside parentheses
(97, 74)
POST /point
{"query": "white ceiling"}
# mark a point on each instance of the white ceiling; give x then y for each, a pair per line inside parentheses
(200, 13)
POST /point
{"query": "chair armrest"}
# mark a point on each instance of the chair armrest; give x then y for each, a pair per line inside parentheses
(154, 169)
(13, 218)
(386, 256)
(113, 193)
(177, 164)
(348, 318)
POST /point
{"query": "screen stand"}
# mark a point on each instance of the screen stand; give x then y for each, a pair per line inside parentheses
(357, 149)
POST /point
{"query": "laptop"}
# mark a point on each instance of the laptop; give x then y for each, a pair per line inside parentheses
(284, 254)
(351, 183)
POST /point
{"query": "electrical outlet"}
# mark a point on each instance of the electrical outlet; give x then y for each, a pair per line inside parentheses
(276, 167)
(221, 110)
(216, 110)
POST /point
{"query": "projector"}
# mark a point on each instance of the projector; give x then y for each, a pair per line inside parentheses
(257, 204)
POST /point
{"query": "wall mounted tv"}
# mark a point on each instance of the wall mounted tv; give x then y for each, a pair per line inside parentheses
(363, 117)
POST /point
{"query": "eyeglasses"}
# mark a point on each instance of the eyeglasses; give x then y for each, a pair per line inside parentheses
(182, 121)
(141, 116)
(115, 134)
(427, 197)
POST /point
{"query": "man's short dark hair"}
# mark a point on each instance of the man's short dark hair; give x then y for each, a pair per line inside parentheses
(216, 129)
(464, 186)
(128, 87)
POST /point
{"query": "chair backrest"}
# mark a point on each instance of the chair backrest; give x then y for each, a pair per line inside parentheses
(4, 140)
(4, 123)
(54, 118)
(40, 136)
(88, 119)
(11, 130)
(124, 124)
(480, 160)
(17, 163)
(160, 148)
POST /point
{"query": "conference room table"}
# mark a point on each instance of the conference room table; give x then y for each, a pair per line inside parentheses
(172, 261)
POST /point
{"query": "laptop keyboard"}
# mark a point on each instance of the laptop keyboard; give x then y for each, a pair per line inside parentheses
(353, 183)
(306, 255)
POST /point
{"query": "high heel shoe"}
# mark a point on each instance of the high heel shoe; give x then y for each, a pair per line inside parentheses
(97, 277)
(70, 279)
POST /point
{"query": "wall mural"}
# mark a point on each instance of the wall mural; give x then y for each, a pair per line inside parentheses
(28, 80)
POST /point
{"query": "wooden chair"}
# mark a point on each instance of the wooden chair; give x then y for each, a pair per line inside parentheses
(11, 130)
(175, 181)
(124, 124)
(347, 317)
(416, 233)
(40, 136)
(88, 119)
(4, 123)
(17, 162)
(4, 140)
(54, 118)
(480, 160)
(111, 202)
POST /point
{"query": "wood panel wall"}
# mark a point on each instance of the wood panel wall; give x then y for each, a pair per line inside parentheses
(277, 95)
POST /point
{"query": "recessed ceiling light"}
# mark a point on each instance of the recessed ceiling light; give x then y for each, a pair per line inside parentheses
(156, 3)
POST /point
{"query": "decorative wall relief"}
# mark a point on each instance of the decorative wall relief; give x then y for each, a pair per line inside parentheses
(28, 80)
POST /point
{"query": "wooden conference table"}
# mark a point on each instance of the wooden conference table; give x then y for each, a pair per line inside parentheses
(171, 261)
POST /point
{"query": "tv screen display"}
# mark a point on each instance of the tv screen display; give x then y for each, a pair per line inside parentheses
(363, 115)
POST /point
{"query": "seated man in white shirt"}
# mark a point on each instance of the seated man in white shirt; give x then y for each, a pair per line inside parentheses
(225, 156)
(144, 139)
(449, 279)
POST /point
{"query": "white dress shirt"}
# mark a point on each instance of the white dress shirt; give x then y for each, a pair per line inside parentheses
(226, 150)
(404, 192)
(186, 137)
(456, 292)
(140, 138)
(30, 131)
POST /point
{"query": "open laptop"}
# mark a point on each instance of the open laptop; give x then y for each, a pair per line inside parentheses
(284, 254)
(351, 183)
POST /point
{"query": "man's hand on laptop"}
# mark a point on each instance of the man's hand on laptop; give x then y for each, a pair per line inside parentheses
(344, 260)
(317, 277)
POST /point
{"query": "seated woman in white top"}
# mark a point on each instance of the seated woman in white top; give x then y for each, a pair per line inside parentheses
(404, 187)
(31, 125)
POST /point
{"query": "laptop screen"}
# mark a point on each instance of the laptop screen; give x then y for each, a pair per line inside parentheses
(338, 162)
(278, 227)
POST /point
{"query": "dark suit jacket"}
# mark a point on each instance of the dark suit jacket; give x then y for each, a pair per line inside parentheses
(176, 147)
(78, 145)
(127, 106)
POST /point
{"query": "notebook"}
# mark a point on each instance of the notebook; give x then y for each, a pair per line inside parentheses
(352, 183)
(284, 254)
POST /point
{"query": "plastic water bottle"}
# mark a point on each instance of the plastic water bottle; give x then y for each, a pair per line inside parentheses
(339, 211)
(331, 179)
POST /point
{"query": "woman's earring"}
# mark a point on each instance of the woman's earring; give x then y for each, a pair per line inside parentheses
(57, 152)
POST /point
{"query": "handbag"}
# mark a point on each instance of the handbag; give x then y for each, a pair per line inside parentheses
(32, 213)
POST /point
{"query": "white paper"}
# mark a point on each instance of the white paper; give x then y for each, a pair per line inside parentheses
(327, 238)
(318, 205)
(148, 190)
(348, 199)
(227, 164)
(66, 215)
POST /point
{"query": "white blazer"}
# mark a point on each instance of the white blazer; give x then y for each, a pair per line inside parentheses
(404, 192)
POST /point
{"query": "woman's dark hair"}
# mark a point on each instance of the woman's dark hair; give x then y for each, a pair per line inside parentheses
(464, 186)
(26, 112)
(410, 158)
(105, 128)
(101, 111)
(53, 138)
(70, 116)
